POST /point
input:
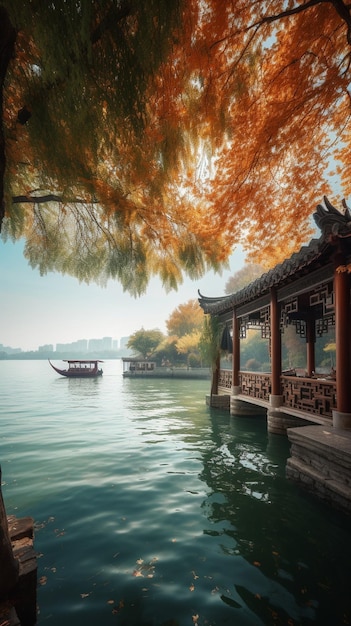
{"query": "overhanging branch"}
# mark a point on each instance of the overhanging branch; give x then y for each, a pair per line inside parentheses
(50, 197)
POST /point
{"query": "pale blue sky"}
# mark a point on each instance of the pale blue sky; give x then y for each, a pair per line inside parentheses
(36, 310)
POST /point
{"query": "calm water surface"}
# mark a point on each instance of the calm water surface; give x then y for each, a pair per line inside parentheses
(151, 509)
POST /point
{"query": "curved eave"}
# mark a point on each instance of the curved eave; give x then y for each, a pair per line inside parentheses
(281, 274)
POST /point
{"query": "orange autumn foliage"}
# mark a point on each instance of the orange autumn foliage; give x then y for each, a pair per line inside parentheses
(229, 138)
(270, 106)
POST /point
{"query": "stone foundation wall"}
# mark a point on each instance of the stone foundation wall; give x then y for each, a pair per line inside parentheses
(218, 401)
(321, 463)
(241, 408)
(278, 422)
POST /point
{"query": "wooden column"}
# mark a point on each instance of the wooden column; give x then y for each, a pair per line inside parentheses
(236, 352)
(276, 352)
(311, 342)
(342, 337)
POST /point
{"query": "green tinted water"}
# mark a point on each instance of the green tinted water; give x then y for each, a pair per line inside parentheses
(150, 509)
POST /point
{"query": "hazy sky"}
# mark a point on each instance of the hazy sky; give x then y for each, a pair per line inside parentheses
(37, 310)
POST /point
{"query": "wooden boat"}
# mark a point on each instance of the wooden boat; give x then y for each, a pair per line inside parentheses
(143, 368)
(80, 368)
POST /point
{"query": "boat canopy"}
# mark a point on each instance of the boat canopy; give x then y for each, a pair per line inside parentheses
(82, 361)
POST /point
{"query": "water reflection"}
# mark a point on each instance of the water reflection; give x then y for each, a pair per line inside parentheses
(264, 523)
(127, 472)
(84, 387)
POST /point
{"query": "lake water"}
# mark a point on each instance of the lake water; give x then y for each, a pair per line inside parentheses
(151, 509)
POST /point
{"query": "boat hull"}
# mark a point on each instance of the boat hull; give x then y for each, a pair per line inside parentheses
(78, 373)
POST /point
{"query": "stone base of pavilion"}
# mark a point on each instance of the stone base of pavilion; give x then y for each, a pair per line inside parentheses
(217, 401)
(320, 454)
(241, 407)
(321, 463)
(279, 418)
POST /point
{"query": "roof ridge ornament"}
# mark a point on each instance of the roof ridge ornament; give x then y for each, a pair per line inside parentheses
(331, 221)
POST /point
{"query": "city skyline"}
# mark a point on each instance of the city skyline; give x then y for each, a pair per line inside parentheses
(51, 309)
(91, 343)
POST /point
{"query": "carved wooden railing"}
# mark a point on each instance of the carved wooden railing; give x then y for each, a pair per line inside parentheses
(311, 395)
(225, 380)
(255, 385)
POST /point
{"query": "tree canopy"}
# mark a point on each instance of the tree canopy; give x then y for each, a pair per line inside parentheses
(149, 138)
(185, 319)
(243, 277)
(144, 342)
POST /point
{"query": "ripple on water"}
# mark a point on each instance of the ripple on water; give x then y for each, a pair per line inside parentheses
(149, 507)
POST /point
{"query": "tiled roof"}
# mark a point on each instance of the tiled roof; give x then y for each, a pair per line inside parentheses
(334, 225)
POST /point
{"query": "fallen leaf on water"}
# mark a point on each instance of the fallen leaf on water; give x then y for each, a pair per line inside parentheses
(194, 575)
(195, 618)
(84, 595)
(110, 601)
(192, 587)
(257, 563)
(116, 609)
(43, 580)
(140, 561)
(137, 572)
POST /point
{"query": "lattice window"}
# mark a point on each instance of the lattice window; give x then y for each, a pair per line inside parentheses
(300, 328)
(323, 295)
(291, 306)
(324, 325)
(259, 319)
(265, 318)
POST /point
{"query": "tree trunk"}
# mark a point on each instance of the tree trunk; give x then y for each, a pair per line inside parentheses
(7, 46)
(9, 565)
(215, 376)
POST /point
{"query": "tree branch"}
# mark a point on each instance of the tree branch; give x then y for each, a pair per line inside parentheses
(340, 6)
(7, 45)
(50, 197)
(344, 11)
(111, 17)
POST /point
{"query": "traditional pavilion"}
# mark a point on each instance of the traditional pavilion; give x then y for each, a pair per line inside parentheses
(310, 290)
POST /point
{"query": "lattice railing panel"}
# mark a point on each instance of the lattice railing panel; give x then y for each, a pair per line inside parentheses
(225, 379)
(310, 395)
(255, 385)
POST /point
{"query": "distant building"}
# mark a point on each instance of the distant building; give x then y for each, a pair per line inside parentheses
(9, 350)
(46, 348)
(100, 344)
(75, 346)
(123, 342)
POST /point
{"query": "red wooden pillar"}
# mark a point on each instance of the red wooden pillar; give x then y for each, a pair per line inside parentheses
(311, 341)
(236, 353)
(342, 415)
(276, 352)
